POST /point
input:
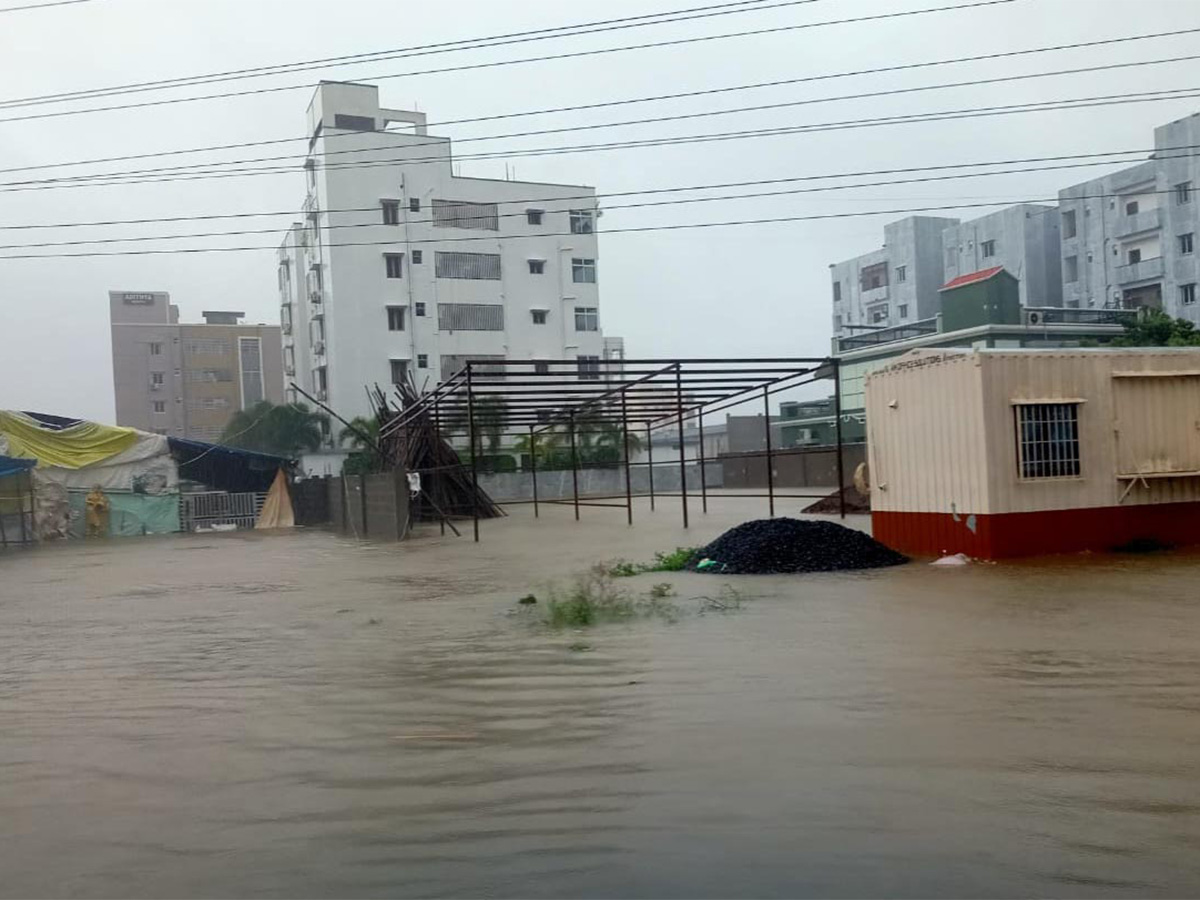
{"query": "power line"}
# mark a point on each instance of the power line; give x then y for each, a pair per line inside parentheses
(136, 177)
(645, 121)
(32, 6)
(487, 65)
(628, 230)
(666, 17)
(648, 99)
(711, 186)
(608, 208)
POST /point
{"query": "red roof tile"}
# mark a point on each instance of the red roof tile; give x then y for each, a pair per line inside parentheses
(972, 278)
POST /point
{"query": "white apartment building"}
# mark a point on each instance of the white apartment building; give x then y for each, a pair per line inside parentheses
(898, 284)
(1129, 238)
(403, 268)
(894, 285)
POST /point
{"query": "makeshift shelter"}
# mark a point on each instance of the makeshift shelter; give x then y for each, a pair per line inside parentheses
(133, 469)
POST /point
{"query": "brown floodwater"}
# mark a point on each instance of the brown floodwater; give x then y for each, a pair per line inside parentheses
(303, 715)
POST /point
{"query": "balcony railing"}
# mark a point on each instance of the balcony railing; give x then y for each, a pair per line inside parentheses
(1058, 315)
(1146, 220)
(1145, 270)
(887, 335)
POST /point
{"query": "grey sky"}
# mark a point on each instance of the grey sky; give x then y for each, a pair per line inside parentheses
(757, 290)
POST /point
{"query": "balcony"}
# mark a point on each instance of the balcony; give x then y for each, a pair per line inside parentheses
(1146, 220)
(1146, 270)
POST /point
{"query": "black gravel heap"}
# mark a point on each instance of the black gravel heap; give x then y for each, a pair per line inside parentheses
(771, 546)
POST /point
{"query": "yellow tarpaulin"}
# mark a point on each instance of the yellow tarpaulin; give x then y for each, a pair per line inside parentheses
(73, 447)
(277, 508)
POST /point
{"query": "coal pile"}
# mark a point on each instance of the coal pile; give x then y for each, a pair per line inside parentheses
(773, 546)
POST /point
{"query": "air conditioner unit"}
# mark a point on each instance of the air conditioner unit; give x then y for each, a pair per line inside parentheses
(289, 370)
(287, 327)
(1034, 317)
(155, 387)
(322, 395)
(315, 296)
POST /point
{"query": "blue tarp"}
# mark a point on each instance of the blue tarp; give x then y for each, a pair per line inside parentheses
(13, 465)
(227, 468)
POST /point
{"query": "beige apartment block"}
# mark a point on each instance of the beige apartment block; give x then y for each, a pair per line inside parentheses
(187, 380)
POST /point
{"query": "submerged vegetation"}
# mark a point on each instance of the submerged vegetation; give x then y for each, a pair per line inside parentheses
(674, 561)
(594, 598)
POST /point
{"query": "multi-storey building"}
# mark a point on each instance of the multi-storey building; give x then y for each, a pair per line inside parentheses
(895, 284)
(1023, 239)
(409, 270)
(1128, 239)
(294, 311)
(188, 380)
(898, 284)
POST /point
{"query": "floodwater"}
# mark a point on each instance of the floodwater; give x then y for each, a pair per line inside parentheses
(303, 715)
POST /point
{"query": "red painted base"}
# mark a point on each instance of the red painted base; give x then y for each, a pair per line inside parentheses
(1036, 533)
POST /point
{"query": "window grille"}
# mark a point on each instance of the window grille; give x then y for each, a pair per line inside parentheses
(1048, 440)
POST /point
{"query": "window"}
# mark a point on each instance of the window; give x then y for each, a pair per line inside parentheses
(902, 310)
(470, 317)
(901, 274)
(422, 360)
(586, 318)
(1187, 294)
(417, 257)
(395, 316)
(399, 371)
(872, 277)
(289, 360)
(419, 309)
(285, 318)
(837, 292)
(1071, 269)
(452, 364)
(394, 264)
(472, 266)
(353, 123)
(1186, 242)
(1135, 256)
(1131, 208)
(1183, 192)
(391, 211)
(156, 378)
(250, 357)
(541, 368)
(539, 316)
(160, 406)
(414, 204)
(1048, 440)
(583, 221)
(465, 214)
(987, 248)
(155, 349)
(537, 267)
(583, 271)
(534, 216)
(1069, 226)
(589, 368)
(320, 377)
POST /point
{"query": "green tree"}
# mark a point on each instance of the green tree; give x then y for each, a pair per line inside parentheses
(286, 429)
(363, 437)
(1154, 328)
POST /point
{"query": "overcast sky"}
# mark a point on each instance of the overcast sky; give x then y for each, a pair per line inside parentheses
(752, 290)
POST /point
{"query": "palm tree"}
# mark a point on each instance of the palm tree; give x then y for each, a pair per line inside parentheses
(362, 434)
(286, 429)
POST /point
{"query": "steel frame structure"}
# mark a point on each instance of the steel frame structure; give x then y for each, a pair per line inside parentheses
(535, 396)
